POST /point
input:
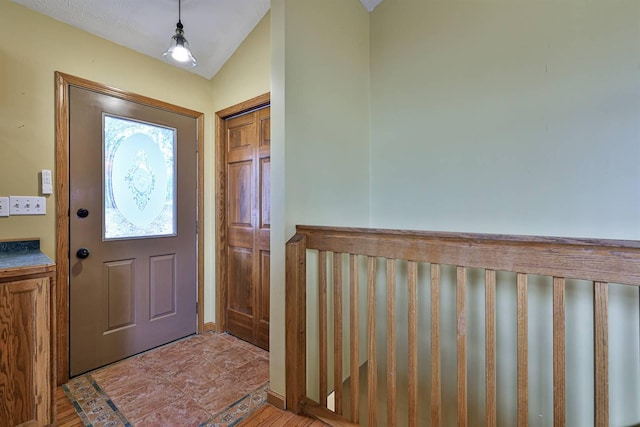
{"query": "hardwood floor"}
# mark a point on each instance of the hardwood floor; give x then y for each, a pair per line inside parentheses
(270, 416)
(66, 416)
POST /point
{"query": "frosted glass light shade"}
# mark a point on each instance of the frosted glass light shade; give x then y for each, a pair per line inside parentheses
(178, 50)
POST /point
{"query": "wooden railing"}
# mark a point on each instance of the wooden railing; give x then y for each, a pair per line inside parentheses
(599, 262)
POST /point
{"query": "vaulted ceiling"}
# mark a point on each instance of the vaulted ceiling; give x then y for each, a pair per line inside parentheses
(214, 28)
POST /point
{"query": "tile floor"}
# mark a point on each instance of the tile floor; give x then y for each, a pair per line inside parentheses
(184, 383)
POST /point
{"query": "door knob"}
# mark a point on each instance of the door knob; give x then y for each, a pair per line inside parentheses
(82, 213)
(82, 253)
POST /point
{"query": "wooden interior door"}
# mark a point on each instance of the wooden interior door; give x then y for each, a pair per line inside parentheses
(248, 167)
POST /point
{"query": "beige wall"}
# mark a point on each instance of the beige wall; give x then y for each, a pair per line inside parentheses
(245, 75)
(320, 131)
(34, 48)
(519, 118)
(525, 113)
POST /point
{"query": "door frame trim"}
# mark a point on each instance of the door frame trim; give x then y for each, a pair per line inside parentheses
(222, 285)
(63, 82)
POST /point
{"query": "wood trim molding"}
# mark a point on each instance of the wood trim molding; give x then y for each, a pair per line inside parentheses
(221, 226)
(63, 82)
(221, 200)
(209, 327)
(62, 225)
(246, 106)
(200, 228)
(275, 399)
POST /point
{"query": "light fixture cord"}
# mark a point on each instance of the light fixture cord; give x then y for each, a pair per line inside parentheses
(179, 25)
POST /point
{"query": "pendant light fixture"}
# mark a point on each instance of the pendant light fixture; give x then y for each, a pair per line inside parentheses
(178, 51)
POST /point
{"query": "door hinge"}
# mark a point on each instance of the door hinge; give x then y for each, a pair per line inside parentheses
(197, 307)
(197, 227)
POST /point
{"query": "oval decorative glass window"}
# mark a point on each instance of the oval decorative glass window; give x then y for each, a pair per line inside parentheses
(139, 179)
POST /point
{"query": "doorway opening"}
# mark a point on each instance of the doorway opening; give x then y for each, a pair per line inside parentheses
(243, 220)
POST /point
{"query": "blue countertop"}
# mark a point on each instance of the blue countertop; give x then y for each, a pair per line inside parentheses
(22, 253)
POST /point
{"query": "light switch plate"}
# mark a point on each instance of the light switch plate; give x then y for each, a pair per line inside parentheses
(27, 205)
(4, 206)
(47, 186)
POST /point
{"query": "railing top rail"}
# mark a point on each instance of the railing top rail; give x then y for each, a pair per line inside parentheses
(514, 238)
(616, 261)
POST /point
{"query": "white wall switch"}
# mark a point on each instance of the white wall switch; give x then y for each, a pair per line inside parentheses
(40, 207)
(4, 206)
(47, 185)
(27, 205)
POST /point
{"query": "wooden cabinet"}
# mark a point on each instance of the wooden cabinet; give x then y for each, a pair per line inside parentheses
(27, 346)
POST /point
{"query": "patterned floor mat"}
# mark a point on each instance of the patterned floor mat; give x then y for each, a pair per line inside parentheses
(202, 380)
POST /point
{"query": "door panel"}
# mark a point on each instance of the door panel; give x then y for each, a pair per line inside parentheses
(265, 130)
(248, 185)
(118, 286)
(265, 193)
(240, 135)
(240, 274)
(163, 285)
(240, 183)
(263, 320)
(134, 168)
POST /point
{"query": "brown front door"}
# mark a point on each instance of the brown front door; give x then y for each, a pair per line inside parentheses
(132, 228)
(247, 144)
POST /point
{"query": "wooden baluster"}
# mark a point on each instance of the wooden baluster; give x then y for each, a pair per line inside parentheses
(391, 343)
(322, 322)
(337, 331)
(490, 347)
(559, 397)
(413, 343)
(601, 353)
(462, 345)
(296, 323)
(372, 375)
(523, 365)
(355, 365)
(436, 388)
